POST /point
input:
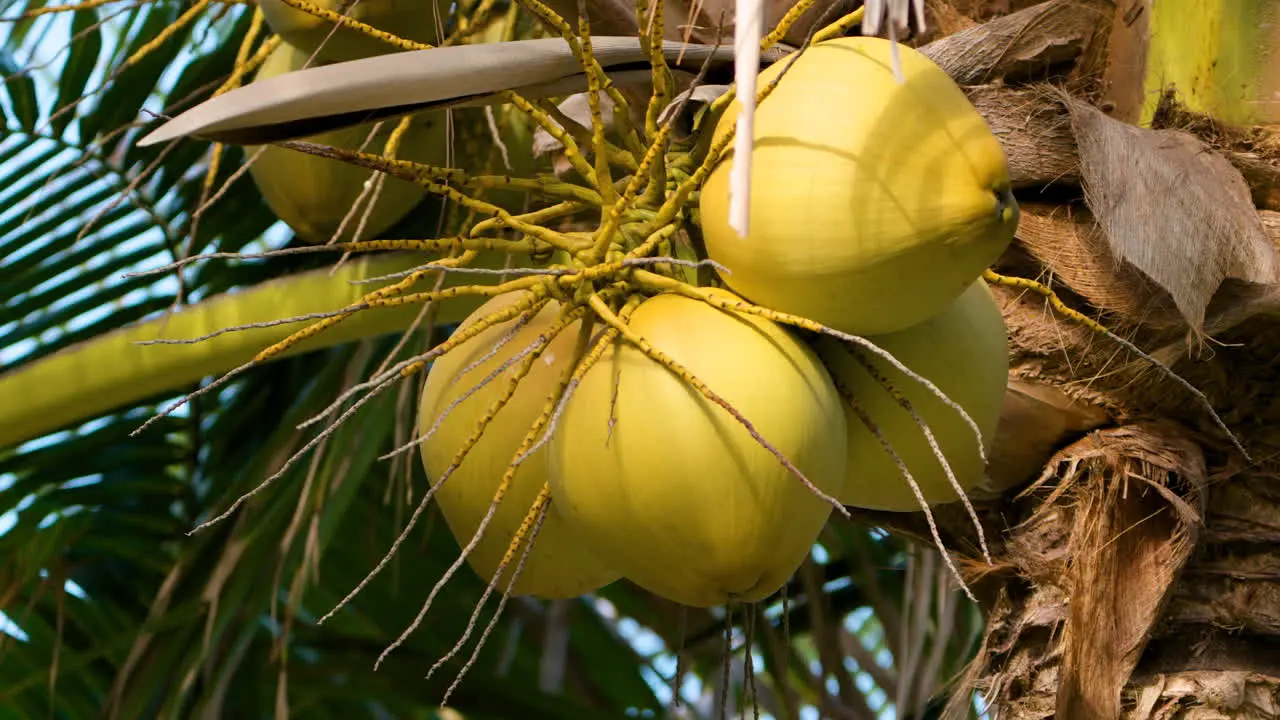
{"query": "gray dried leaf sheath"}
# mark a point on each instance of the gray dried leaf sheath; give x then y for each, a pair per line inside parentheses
(1172, 208)
(313, 100)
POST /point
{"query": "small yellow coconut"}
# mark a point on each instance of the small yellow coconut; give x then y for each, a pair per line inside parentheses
(408, 19)
(964, 352)
(557, 566)
(313, 195)
(874, 202)
(501, 137)
(676, 494)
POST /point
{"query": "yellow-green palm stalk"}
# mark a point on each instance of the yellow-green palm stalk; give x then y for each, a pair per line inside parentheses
(1222, 56)
(114, 370)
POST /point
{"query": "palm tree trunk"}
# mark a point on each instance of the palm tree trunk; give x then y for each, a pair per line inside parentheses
(1137, 553)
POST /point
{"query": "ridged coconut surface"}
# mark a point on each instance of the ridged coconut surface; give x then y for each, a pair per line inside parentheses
(557, 566)
(875, 202)
(964, 352)
(671, 490)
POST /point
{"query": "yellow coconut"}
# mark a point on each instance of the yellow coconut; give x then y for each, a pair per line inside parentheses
(409, 19)
(874, 202)
(557, 565)
(676, 495)
(964, 352)
(313, 195)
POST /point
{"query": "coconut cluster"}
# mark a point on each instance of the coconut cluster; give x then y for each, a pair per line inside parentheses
(700, 453)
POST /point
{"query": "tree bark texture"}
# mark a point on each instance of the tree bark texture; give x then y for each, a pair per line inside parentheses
(1136, 554)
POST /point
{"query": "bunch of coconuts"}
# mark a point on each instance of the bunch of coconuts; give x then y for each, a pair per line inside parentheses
(877, 203)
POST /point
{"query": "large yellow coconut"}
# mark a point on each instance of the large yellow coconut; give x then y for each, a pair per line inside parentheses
(409, 19)
(964, 352)
(312, 194)
(874, 202)
(677, 495)
(557, 566)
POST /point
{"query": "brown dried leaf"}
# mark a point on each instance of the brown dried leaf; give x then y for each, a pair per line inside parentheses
(1239, 591)
(1022, 45)
(945, 19)
(1036, 136)
(1069, 241)
(1255, 151)
(1097, 561)
(1173, 208)
(1208, 695)
(1035, 130)
(982, 10)
(1271, 221)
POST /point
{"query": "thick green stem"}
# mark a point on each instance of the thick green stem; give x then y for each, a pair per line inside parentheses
(1221, 56)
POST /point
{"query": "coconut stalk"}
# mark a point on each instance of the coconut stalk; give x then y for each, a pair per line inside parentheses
(222, 333)
(1221, 58)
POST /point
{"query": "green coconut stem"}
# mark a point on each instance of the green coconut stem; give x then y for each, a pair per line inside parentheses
(678, 200)
(435, 179)
(531, 304)
(526, 357)
(591, 66)
(391, 373)
(79, 382)
(469, 26)
(599, 151)
(535, 217)
(1221, 56)
(245, 63)
(435, 246)
(454, 341)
